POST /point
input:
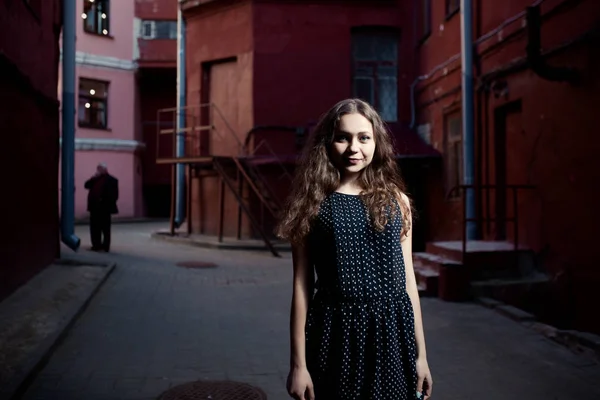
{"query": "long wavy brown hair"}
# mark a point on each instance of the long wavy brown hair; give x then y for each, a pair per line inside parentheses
(316, 177)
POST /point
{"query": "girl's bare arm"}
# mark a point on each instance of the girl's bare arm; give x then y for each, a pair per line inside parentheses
(413, 291)
(302, 292)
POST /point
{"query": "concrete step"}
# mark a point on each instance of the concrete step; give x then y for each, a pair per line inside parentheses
(434, 261)
(485, 259)
(427, 279)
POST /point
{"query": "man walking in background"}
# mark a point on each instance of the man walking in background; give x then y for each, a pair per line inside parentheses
(101, 204)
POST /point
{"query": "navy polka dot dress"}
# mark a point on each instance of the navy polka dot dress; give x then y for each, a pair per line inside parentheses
(360, 341)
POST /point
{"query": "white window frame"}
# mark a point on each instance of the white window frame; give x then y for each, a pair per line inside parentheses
(152, 25)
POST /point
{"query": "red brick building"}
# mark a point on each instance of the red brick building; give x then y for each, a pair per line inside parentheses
(156, 24)
(29, 118)
(269, 68)
(535, 124)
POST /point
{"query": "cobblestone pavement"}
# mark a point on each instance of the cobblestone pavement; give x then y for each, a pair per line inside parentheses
(154, 325)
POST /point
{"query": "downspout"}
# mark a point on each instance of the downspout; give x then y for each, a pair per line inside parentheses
(466, 30)
(481, 143)
(67, 212)
(180, 151)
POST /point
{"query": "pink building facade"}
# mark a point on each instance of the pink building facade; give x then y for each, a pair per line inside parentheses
(107, 112)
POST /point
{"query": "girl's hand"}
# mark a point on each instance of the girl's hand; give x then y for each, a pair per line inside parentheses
(300, 385)
(423, 374)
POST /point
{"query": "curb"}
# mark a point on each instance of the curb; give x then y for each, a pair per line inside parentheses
(37, 361)
(212, 245)
(124, 220)
(579, 342)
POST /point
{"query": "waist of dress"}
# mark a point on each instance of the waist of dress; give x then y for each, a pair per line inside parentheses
(331, 297)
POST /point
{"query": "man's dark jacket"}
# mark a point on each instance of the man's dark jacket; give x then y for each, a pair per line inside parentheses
(103, 194)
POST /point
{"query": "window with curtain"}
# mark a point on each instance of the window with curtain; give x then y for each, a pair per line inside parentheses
(93, 103)
(96, 17)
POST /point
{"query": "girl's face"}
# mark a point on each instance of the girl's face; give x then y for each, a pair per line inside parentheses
(353, 144)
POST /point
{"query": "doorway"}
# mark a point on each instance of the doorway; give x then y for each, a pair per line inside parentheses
(220, 85)
(507, 126)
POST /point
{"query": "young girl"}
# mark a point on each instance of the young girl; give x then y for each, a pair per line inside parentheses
(360, 337)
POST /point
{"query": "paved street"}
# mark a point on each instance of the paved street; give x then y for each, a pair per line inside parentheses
(154, 325)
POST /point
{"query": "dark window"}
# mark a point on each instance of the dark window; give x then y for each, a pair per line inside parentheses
(424, 19)
(375, 70)
(159, 30)
(166, 29)
(96, 16)
(453, 152)
(93, 99)
(452, 7)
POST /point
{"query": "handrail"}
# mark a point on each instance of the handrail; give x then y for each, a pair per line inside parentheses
(195, 112)
(515, 219)
(253, 186)
(270, 150)
(242, 147)
(221, 171)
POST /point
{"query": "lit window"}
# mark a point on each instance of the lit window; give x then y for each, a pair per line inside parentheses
(93, 99)
(375, 70)
(96, 17)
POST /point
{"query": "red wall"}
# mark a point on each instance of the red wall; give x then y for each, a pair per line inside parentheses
(30, 128)
(219, 41)
(302, 59)
(156, 9)
(157, 76)
(157, 89)
(551, 143)
(157, 52)
(293, 62)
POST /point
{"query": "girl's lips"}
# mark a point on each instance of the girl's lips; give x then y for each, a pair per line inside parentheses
(354, 161)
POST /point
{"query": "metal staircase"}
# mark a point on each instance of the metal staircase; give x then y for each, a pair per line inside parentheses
(211, 145)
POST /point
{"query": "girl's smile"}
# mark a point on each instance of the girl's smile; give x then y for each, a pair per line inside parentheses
(354, 161)
(353, 145)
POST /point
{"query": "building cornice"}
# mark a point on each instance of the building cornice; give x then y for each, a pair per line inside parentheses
(96, 60)
(115, 145)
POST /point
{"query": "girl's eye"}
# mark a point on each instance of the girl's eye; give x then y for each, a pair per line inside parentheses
(340, 138)
(365, 138)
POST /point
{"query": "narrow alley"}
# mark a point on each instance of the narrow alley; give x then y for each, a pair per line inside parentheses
(154, 325)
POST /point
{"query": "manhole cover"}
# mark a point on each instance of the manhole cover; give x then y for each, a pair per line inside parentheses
(214, 390)
(196, 264)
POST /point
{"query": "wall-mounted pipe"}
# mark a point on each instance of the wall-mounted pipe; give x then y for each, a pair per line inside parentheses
(67, 212)
(180, 150)
(455, 57)
(536, 61)
(468, 116)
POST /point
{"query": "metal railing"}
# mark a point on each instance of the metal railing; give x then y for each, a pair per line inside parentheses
(199, 131)
(486, 189)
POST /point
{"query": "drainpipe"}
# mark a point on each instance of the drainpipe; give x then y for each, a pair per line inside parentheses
(67, 212)
(466, 31)
(181, 81)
